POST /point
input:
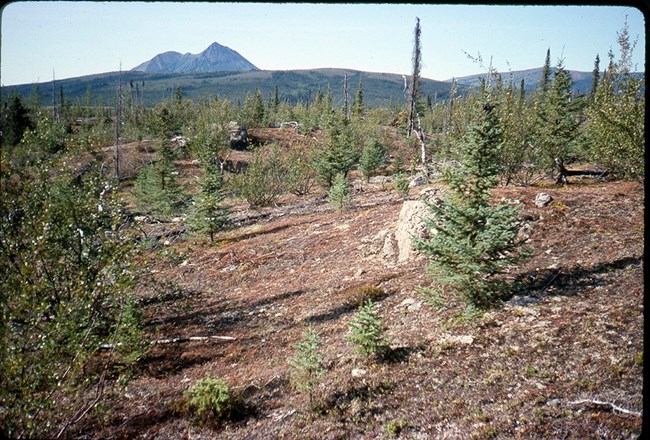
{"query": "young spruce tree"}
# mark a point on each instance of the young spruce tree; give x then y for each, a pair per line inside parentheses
(209, 216)
(156, 188)
(475, 239)
(307, 363)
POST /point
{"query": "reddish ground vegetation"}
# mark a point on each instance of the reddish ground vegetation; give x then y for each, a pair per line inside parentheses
(535, 367)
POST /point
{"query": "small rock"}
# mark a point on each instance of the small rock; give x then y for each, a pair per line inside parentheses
(510, 201)
(380, 179)
(418, 181)
(542, 199)
(407, 302)
(411, 304)
(415, 306)
(430, 194)
(462, 339)
(358, 372)
(553, 402)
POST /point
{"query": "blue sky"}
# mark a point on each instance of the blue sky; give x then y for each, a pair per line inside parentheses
(70, 39)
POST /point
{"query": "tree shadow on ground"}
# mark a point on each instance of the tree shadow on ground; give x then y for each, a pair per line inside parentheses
(569, 281)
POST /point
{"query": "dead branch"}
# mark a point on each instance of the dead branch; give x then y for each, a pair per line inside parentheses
(607, 406)
(549, 282)
(292, 124)
(191, 338)
(109, 346)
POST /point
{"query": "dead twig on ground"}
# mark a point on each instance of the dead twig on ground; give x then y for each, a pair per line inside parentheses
(108, 346)
(607, 406)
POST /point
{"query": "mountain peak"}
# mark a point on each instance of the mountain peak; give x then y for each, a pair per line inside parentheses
(215, 46)
(214, 58)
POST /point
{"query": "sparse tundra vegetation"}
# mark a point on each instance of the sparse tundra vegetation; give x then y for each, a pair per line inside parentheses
(212, 268)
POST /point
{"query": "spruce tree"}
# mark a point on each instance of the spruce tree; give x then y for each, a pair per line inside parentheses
(156, 188)
(414, 89)
(595, 76)
(557, 125)
(475, 239)
(339, 195)
(338, 154)
(357, 105)
(15, 123)
(366, 332)
(373, 156)
(546, 72)
(307, 363)
(209, 216)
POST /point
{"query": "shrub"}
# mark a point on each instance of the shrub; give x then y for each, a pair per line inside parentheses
(357, 296)
(367, 333)
(373, 156)
(339, 195)
(264, 180)
(402, 184)
(616, 127)
(64, 290)
(300, 176)
(210, 398)
(307, 363)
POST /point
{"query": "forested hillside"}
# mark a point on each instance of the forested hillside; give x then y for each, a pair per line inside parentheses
(148, 89)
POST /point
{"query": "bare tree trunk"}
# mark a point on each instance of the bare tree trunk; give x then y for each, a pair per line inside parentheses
(346, 98)
(118, 117)
(423, 146)
(415, 80)
(55, 110)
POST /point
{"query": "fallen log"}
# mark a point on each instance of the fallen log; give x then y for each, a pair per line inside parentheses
(564, 173)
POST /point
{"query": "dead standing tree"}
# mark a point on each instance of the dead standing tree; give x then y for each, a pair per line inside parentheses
(413, 123)
(118, 120)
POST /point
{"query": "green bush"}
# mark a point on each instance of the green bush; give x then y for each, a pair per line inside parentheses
(402, 184)
(210, 398)
(339, 195)
(263, 182)
(65, 288)
(616, 127)
(373, 156)
(300, 176)
(307, 363)
(367, 332)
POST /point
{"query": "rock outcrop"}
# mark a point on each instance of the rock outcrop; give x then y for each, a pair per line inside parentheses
(237, 136)
(395, 244)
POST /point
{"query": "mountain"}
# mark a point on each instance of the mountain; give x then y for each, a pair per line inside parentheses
(216, 58)
(532, 78)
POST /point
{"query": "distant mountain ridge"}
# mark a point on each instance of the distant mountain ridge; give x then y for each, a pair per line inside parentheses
(216, 58)
(532, 79)
(379, 89)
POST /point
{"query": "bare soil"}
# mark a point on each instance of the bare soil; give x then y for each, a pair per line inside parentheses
(561, 358)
